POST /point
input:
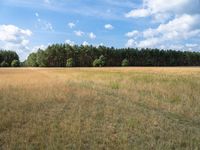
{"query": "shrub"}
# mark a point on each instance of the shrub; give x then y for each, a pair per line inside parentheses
(99, 62)
(125, 63)
(15, 63)
(96, 63)
(70, 62)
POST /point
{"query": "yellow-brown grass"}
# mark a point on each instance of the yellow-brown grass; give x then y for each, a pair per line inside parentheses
(100, 108)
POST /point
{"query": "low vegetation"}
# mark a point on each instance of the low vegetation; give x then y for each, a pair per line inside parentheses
(105, 108)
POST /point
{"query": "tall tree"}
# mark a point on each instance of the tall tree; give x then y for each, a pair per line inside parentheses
(87, 56)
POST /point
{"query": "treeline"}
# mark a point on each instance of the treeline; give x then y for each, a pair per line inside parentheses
(62, 55)
(9, 59)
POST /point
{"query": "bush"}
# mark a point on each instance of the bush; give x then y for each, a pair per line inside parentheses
(4, 64)
(15, 63)
(70, 62)
(96, 63)
(99, 62)
(125, 63)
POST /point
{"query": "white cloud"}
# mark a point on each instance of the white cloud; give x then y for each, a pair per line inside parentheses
(138, 13)
(92, 35)
(162, 10)
(71, 25)
(131, 43)
(180, 21)
(149, 33)
(172, 6)
(149, 43)
(13, 34)
(108, 26)
(79, 33)
(85, 43)
(161, 17)
(133, 33)
(15, 38)
(181, 28)
(70, 42)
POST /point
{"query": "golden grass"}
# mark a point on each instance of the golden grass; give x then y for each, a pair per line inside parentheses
(100, 108)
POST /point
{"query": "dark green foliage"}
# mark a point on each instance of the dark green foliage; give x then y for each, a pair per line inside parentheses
(42, 59)
(70, 62)
(7, 57)
(15, 63)
(102, 61)
(125, 63)
(88, 56)
(32, 60)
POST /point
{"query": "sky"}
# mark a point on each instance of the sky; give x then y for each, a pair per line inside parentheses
(27, 25)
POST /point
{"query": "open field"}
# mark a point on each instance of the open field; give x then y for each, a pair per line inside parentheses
(106, 108)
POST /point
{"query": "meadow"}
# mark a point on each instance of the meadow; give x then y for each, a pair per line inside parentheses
(100, 108)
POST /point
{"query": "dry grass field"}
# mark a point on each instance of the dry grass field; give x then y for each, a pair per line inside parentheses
(104, 108)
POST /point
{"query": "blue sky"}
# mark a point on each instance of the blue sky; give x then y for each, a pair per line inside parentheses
(27, 25)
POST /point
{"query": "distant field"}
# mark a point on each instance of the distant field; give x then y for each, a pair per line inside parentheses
(104, 108)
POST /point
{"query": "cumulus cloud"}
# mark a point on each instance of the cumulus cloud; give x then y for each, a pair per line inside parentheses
(92, 35)
(70, 42)
(138, 13)
(181, 28)
(133, 33)
(131, 43)
(179, 21)
(79, 33)
(71, 25)
(14, 38)
(149, 43)
(85, 43)
(14, 34)
(108, 26)
(159, 8)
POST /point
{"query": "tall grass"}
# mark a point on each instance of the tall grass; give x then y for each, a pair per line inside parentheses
(107, 108)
